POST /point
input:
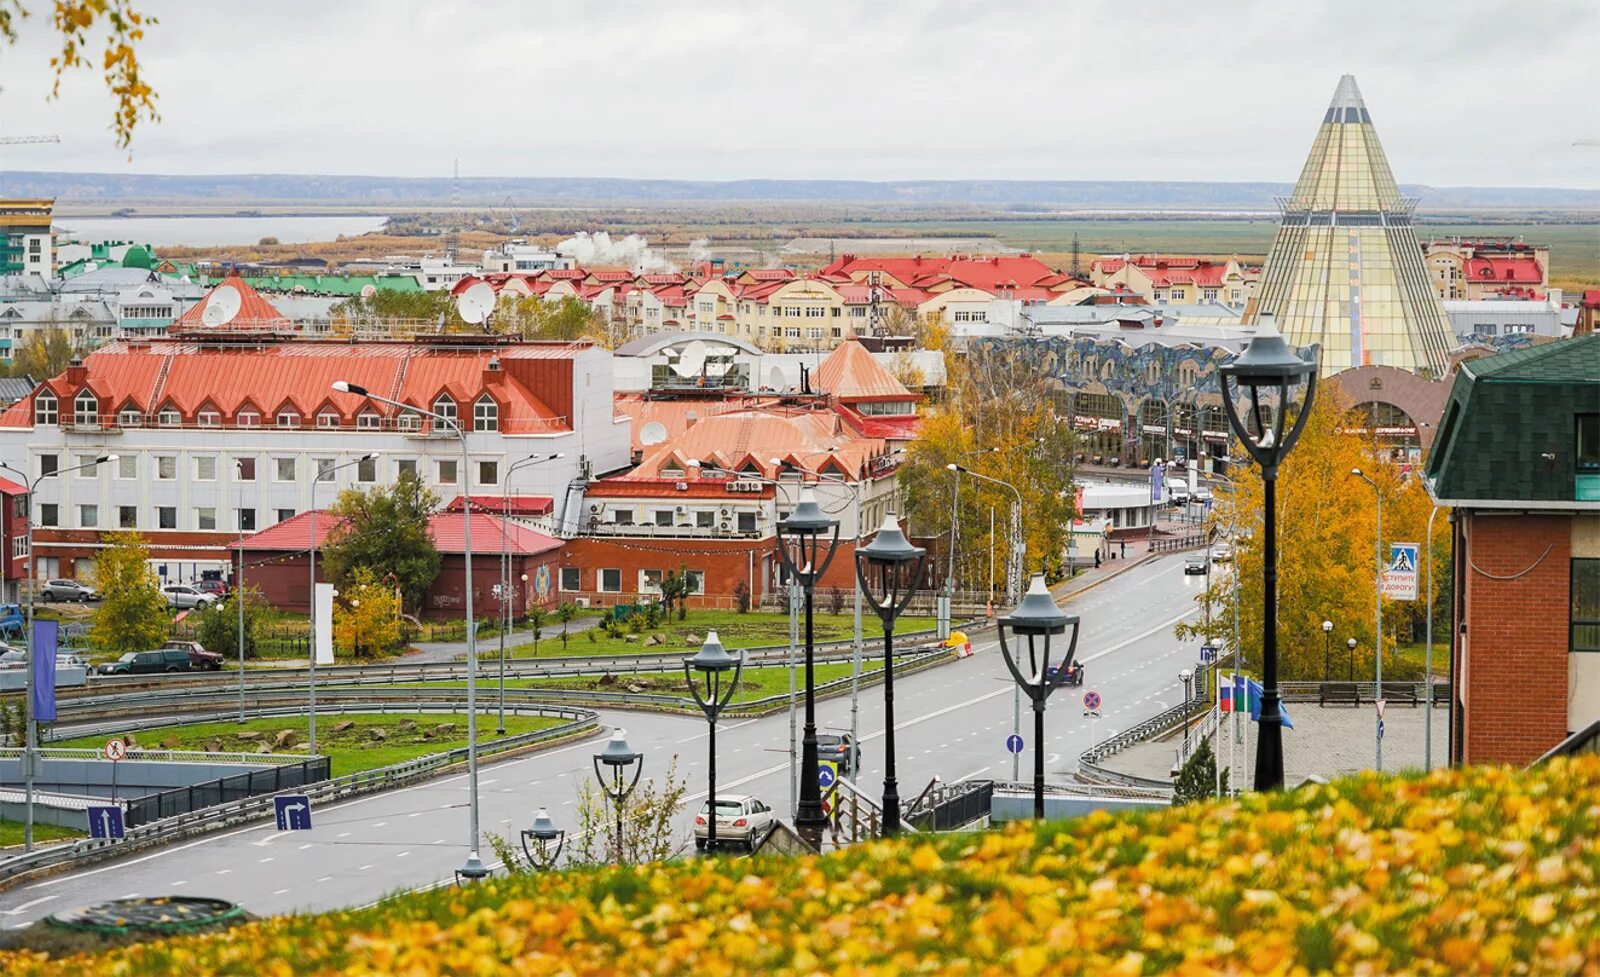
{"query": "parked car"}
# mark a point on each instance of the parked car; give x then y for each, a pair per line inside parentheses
(200, 659)
(1194, 567)
(1221, 553)
(837, 748)
(216, 588)
(68, 590)
(1071, 675)
(146, 662)
(184, 597)
(741, 820)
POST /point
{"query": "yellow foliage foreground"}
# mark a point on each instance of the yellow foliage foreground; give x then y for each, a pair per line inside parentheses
(1482, 871)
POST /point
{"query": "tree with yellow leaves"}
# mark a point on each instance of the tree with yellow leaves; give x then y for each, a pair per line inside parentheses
(366, 619)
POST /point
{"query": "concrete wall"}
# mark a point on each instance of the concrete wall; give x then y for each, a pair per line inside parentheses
(135, 778)
(1019, 807)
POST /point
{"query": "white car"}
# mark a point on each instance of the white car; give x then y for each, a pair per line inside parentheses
(1221, 553)
(741, 820)
(187, 598)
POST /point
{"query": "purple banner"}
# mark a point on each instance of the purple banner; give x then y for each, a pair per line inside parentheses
(42, 659)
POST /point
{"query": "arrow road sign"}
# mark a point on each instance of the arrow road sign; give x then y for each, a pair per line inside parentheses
(1014, 743)
(294, 812)
(106, 823)
(1091, 701)
(827, 775)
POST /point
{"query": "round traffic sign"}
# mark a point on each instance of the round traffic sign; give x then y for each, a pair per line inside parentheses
(825, 776)
(1091, 700)
(115, 749)
(1014, 743)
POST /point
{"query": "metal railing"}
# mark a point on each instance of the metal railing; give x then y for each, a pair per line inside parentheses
(139, 753)
(1411, 693)
(1090, 768)
(1586, 740)
(1186, 746)
(182, 800)
(946, 807)
(256, 808)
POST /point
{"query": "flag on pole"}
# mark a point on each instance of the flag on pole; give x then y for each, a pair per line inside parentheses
(1254, 691)
(42, 659)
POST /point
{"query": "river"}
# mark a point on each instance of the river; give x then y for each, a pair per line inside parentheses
(208, 231)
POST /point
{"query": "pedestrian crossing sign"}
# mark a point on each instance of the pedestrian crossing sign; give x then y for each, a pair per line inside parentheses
(1400, 574)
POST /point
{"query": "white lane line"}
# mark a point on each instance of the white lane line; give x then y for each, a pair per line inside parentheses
(363, 868)
(263, 861)
(375, 824)
(325, 878)
(416, 814)
(178, 883)
(279, 892)
(482, 783)
(402, 854)
(28, 905)
(344, 834)
(307, 845)
(439, 841)
(224, 871)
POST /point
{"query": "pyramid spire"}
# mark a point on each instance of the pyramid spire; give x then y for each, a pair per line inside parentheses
(1346, 270)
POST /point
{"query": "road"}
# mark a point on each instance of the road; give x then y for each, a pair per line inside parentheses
(952, 721)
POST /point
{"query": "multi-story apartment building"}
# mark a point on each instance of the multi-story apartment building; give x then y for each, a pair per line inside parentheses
(1472, 269)
(1169, 279)
(25, 237)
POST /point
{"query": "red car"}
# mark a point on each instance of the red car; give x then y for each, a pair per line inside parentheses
(215, 587)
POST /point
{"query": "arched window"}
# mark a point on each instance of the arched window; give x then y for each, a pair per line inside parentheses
(369, 420)
(445, 407)
(169, 416)
(208, 415)
(247, 417)
(86, 409)
(486, 414)
(46, 409)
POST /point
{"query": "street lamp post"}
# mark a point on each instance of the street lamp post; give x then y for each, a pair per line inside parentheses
(238, 578)
(1036, 619)
(1327, 647)
(542, 833)
(474, 868)
(617, 757)
(711, 662)
(1187, 677)
(311, 601)
(30, 753)
(1351, 644)
(800, 547)
(1268, 366)
(1377, 601)
(888, 569)
(1427, 668)
(508, 609)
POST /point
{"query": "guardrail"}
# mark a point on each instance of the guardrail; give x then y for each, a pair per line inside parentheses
(182, 800)
(163, 756)
(85, 851)
(1089, 761)
(1190, 743)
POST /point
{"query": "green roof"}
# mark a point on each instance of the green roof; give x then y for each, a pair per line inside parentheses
(344, 285)
(1509, 430)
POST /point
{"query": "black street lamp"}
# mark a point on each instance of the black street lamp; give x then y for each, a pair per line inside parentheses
(617, 757)
(542, 834)
(1267, 371)
(1351, 644)
(1036, 619)
(1187, 678)
(711, 662)
(800, 547)
(1327, 647)
(889, 568)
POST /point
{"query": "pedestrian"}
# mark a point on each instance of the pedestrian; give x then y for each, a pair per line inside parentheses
(1124, 549)
(1097, 559)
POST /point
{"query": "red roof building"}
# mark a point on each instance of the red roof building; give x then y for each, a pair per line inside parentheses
(233, 306)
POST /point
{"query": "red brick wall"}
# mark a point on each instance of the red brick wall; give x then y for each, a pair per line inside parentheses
(283, 582)
(724, 563)
(1514, 651)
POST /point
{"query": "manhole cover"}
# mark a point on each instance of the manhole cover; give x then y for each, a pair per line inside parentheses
(169, 914)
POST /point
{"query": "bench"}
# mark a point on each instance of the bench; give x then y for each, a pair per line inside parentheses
(1338, 693)
(1403, 694)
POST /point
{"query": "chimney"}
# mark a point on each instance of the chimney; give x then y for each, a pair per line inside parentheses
(77, 373)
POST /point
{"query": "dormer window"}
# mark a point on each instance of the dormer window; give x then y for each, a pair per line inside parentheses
(288, 418)
(86, 410)
(369, 420)
(248, 417)
(208, 416)
(750, 468)
(46, 409)
(169, 417)
(486, 414)
(408, 422)
(130, 416)
(445, 407)
(328, 419)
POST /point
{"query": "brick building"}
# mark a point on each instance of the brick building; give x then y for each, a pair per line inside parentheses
(1518, 460)
(13, 538)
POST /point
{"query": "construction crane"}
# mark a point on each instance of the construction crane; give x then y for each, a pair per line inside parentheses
(24, 140)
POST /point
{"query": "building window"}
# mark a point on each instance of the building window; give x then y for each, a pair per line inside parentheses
(610, 581)
(166, 467)
(622, 517)
(368, 421)
(48, 465)
(87, 468)
(127, 517)
(19, 547)
(696, 580)
(447, 472)
(248, 417)
(327, 419)
(208, 416)
(571, 579)
(205, 518)
(816, 312)
(649, 581)
(245, 520)
(46, 408)
(86, 410)
(288, 418)
(488, 472)
(285, 469)
(1588, 452)
(408, 422)
(1586, 605)
(324, 469)
(167, 517)
(169, 417)
(284, 515)
(205, 468)
(367, 470)
(747, 522)
(130, 417)
(49, 514)
(445, 407)
(246, 468)
(486, 414)
(88, 516)
(662, 517)
(705, 519)
(405, 467)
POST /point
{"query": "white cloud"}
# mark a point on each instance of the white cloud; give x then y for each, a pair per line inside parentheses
(1472, 92)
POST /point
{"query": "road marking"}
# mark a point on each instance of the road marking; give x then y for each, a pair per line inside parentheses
(485, 783)
(224, 871)
(305, 846)
(363, 868)
(178, 883)
(28, 905)
(376, 824)
(439, 841)
(279, 892)
(402, 854)
(264, 860)
(416, 814)
(325, 878)
(344, 834)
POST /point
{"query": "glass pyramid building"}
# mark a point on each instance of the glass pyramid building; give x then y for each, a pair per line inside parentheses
(1346, 269)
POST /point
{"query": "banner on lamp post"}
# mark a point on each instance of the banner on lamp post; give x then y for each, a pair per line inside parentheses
(322, 607)
(1400, 573)
(42, 659)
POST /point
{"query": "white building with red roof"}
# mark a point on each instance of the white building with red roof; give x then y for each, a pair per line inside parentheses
(221, 435)
(1173, 279)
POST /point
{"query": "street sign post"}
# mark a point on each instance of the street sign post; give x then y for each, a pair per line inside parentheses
(1091, 702)
(1014, 743)
(828, 781)
(294, 812)
(115, 750)
(105, 823)
(1208, 654)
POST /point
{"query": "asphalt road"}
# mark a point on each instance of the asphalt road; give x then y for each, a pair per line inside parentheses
(952, 721)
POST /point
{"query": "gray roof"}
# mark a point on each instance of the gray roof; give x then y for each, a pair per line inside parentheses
(13, 389)
(656, 342)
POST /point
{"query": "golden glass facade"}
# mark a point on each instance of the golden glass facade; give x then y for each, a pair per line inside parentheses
(1346, 269)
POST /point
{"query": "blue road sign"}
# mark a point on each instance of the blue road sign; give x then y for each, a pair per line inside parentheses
(827, 776)
(1091, 701)
(1208, 653)
(106, 823)
(1380, 729)
(1014, 743)
(294, 812)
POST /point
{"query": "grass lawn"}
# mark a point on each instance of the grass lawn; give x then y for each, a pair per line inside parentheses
(736, 631)
(755, 683)
(11, 833)
(354, 748)
(1409, 661)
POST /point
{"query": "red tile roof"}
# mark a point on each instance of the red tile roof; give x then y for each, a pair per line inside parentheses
(851, 374)
(448, 530)
(517, 505)
(987, 272)
(255, 312)
(808, 438)
(899, 427)
(1591, 298)
(1511, 271)
(8, 487)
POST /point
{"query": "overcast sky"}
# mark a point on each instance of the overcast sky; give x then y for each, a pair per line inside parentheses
(1471, 92)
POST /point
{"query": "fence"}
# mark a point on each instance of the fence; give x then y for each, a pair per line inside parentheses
(946, 807)
(183, 800)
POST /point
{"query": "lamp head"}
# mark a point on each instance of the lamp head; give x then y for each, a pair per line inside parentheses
(807, 519)
(617, 753)
(1352, 644)
(1267, 361)
(1185, 675)
(953, 467)
(544, 828)
(712, 657)
(1327, 626)
(105, 458)
(1038, 613)
(890, 547)
(346, 387)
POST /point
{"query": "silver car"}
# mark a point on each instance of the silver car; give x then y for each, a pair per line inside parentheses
(187, 598)
(741, 820)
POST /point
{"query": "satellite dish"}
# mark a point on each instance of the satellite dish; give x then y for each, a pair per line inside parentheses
(475, 304)
(775, 378)
(368, 291)
(691, 359)
(654, 432)
(222, 306)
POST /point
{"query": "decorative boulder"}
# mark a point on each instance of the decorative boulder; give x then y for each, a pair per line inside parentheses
(378, 733)
(248, 734)
(340, 727)
(285, 738)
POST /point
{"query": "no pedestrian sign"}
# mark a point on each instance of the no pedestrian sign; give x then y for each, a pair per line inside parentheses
(115, 750)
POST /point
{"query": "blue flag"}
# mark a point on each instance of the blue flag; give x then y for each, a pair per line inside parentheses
(42, 659)
(1255, 705)
(1156, 479)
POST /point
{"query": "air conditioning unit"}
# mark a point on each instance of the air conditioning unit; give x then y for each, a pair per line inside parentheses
(594, 507)
(726, 526)
(594, 523)
(683, 486)
(681, 510)
(726, 512)
(581, 601)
